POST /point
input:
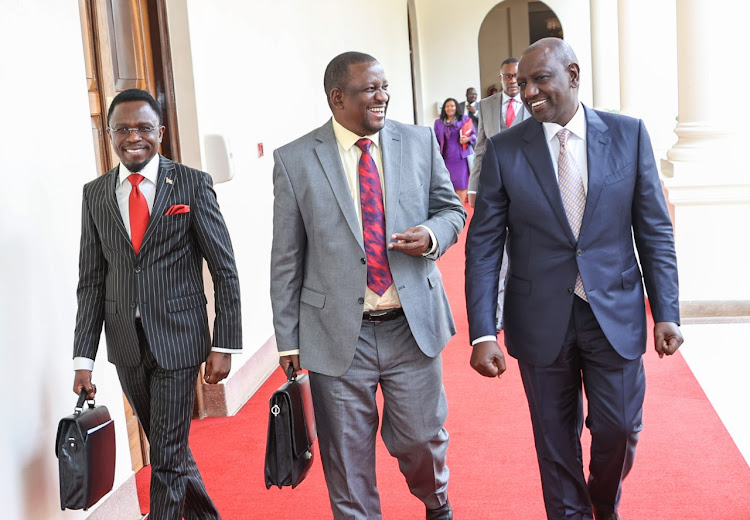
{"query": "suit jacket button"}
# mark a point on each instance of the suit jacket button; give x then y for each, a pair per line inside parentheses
(579, 252)
(570, 290)
(138, 269)
(364, 261)
(360, 300)
(132, 305)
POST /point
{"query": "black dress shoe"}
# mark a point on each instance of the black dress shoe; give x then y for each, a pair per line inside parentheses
(606, 516)
(443, 513)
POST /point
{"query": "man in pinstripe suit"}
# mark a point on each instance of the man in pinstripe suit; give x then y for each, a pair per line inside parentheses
(143, 280)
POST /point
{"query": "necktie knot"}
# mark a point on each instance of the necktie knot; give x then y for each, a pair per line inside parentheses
(563, 136)
(135, 178)
(364, 145)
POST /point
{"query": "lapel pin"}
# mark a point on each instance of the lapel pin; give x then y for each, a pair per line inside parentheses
(169, 181)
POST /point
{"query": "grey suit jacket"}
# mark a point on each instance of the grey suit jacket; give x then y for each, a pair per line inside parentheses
(164, 280)
(318, 264)
(490, 110)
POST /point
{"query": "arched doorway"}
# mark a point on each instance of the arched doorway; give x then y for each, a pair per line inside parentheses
(510, 27)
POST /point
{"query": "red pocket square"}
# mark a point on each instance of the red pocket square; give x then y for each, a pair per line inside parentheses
(177, 209)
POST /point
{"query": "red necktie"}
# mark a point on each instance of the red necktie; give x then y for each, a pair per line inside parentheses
(138, 212)
(373, 221)
(510, 114)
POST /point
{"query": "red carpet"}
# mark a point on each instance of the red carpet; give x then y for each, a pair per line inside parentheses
(686, 467)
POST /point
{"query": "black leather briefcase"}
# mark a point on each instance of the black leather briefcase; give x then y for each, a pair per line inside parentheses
(291, 433)
(85, 449)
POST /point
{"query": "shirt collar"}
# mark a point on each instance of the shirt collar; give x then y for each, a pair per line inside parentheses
(150, 171)
(507, 98)
(576, 125)
(347, 138)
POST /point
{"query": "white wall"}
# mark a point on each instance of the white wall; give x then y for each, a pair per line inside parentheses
(46, 155)
(258, 74)
(258, 81)
(448, 40)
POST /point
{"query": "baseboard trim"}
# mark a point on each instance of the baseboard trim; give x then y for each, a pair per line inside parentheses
(121, 502)
(715, 311)
(227, 398)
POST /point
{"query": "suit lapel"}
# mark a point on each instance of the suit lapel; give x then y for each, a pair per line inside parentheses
(390, 140)
(328, 155)
(597, 156)
(111, 203)
(537, 153)
(163, 190)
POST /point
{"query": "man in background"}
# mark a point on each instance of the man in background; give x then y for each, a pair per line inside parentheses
(502, 111)
(147, 226)
(362, 209)
(572, 190)
(470, 107)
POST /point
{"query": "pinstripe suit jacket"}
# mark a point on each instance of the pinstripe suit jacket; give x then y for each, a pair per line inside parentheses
(164, 280)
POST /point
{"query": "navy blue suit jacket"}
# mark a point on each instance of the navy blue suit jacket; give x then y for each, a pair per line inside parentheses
(519, 201)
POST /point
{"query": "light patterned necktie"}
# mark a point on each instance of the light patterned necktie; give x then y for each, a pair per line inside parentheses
(510, 113)
(571, 191)
(373, 221)
(138, 208)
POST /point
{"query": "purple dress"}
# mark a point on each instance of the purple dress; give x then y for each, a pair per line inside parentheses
(453, 153)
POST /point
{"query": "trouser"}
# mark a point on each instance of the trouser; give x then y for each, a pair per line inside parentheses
(615, 389)
(414, 412)
(163, 401)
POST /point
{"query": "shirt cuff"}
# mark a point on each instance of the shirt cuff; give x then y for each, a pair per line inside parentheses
(483, 338)
(83, 363)
(433, 241)
(227, 350)
(294, 352)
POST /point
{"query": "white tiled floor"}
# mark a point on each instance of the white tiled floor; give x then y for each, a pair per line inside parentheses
(719, 357)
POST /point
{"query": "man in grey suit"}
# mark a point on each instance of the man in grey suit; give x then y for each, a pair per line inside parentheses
(147, 226)
(501, 111)
(494, 117)
(356, 309)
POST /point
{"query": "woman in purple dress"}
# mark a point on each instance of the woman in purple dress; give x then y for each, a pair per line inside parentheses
(455, 135)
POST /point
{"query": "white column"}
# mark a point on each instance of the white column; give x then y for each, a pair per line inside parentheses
(605, 55)
(707, 174)
(648, 70)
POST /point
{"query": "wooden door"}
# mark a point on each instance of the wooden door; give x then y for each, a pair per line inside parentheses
(126, 45)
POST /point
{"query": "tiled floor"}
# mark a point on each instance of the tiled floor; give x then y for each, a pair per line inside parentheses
(719, 356)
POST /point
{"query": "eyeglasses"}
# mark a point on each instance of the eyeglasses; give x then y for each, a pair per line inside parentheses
(139, 131)
(509, 76)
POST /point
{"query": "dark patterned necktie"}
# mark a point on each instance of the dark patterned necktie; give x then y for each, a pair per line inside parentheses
(138, 208)
(373, 221)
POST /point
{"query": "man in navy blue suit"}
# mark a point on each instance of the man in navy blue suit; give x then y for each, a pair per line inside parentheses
(570, 190)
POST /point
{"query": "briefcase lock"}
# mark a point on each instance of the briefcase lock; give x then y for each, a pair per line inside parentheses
(275, 410)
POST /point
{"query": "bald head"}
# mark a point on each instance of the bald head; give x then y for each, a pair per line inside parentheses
(548, 76)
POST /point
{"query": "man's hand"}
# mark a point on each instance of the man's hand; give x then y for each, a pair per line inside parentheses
(83, 380)
(667, 338)
(488, 359)
(472, 198)
(218, 365)
(471, 108)
(285, 361)
(414, 241)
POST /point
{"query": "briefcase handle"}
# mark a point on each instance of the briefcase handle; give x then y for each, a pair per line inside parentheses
(81, 400)
(290, 375)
